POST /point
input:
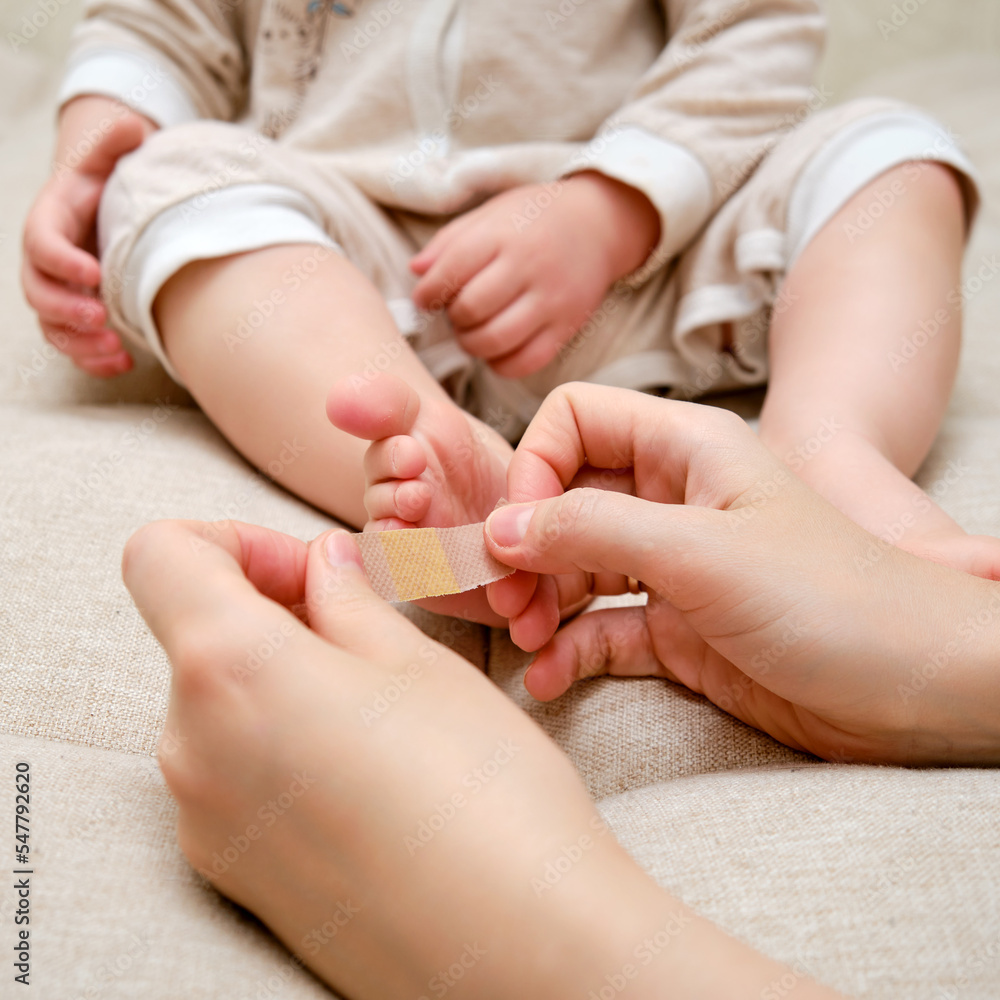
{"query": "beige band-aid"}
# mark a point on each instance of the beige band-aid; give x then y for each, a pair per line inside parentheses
(411, 563)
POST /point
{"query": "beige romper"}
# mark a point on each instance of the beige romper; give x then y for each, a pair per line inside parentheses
(362, 126)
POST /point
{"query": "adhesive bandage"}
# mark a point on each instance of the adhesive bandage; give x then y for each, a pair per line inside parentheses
(411, 563)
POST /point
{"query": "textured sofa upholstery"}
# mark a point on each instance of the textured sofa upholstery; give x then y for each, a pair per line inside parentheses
(883, 882)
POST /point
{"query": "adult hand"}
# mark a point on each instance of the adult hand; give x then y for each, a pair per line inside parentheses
(762, 596)
(521, 273)
(60, 274)
(378, 802)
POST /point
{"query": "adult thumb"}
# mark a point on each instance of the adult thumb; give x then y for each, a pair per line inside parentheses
(342, 606)
(595, 531)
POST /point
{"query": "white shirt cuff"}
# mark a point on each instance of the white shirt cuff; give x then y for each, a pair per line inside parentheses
(141, 83)
(668, 174)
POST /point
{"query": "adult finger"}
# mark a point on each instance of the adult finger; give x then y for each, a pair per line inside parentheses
(680, 452)
(345, 610)
(614, 641)
(598, 531)
(217, 585)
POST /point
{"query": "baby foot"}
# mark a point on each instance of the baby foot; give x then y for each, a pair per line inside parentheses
(978, 555)
(859, 480)
(430, 465)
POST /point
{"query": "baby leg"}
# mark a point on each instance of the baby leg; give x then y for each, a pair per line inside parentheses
(430, 464)
(267, 391)
(850, 406)
(244, 294)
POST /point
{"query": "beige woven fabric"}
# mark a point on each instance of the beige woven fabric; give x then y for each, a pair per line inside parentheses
(773, 855)
(77, 662)
(626, 734)
(880, 882)
(116, 911)
(883, 880)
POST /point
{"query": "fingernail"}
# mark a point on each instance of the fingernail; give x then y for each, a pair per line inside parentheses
(341, 550)
(509, 525)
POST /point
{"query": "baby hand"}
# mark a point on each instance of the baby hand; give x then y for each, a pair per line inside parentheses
(516, 290)
(61, 275)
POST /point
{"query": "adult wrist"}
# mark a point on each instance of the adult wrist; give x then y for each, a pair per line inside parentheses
(948, 687)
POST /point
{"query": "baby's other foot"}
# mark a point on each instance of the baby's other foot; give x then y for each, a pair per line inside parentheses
(978, 555)
(430, 465)
(858, 479)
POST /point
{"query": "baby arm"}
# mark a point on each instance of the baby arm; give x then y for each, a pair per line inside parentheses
(134, 66)
(61, 274)
(730, 78)
(516, 290)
